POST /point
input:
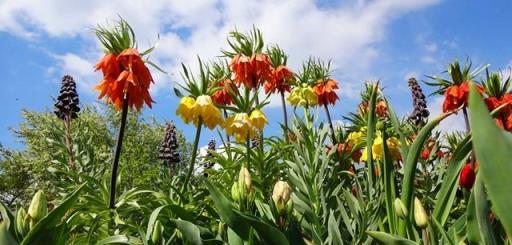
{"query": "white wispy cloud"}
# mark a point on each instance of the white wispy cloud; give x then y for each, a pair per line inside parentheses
(349, 34)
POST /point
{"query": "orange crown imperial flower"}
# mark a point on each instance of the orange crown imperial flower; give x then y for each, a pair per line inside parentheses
(251, 71)
(222, 96)
(279, 80)
(457, 96)
(125, 74)
(325, 90)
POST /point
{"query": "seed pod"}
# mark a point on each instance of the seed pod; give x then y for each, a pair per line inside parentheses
(420, 215)
(156, 235)
(38, 207)
(400, 208)
(66, 106)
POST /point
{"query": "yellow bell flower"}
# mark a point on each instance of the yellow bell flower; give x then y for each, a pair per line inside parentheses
(258, 119)
(240, 126)
(378, 149)
(185, 109)
(206, 109)
(310, 96)
(303, 96)
(356, 138)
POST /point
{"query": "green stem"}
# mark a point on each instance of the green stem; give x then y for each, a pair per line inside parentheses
(227, 135)
(468, 129)
(194, 154)
(117, 154)
(333, 134)
(306, 115)
(248, 148)
(285, 115)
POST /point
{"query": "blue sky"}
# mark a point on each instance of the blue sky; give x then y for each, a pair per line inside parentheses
(389, 40)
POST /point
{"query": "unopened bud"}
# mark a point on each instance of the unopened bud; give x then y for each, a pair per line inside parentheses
(21, 225)
(235, 192)
(281, 194)
(156, 236)
(38, 207)
(245, 180)
(420, 215)
(400, 208)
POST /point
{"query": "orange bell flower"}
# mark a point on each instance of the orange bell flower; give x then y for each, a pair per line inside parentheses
(222, 96)
(279, 80)
(457, 95)
(325, 90)
(251, 71)
(123, 74)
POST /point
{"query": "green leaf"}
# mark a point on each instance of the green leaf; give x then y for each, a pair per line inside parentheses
(50, 221)
(446, 195)
(269, 233)
(6, 229)
(190, 231)
(119, 239)
(472, 230)
(411, 165)
(334, 230)
(482, 210)
(369, 135)
(225, 211)
(493, 158)
(389, 239)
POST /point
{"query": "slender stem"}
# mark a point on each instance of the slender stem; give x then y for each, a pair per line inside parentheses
(194, 155)
(468, 129)
(248, 148)
(306, 115)
(68, 141)
(285, 115)
(117, 154)
(333, 134)
(426, 240)
(227, 135)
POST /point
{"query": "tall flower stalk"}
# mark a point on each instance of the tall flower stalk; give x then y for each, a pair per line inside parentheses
(66, 108)
(198, 107)
(456, 90)
(126, 81)
(325, 89)
(280, 80)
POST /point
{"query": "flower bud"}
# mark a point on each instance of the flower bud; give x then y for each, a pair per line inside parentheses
(156, 235)
(400, 208)
(281, 194)
(38, 207)
(21, 225)
(235, 192)
(244, 180)
(420, 215)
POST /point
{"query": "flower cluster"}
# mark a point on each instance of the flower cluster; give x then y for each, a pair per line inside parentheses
(325, 91)
(378, 149)
(251, 71)
(244, 126)
(125, 74)
(202, 108)
(303, 95)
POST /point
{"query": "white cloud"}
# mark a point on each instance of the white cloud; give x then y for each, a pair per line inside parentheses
(348, 34)
(80, 68)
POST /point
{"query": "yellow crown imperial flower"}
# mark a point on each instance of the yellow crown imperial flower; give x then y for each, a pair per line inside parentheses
(258, 119)
(281, 195)
(355, 138)
(240, 126)
(303, 96)
(206, 109)
(186, 109)
(378, 149)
